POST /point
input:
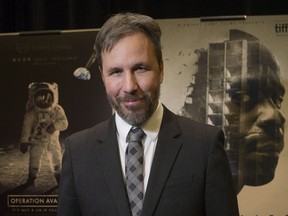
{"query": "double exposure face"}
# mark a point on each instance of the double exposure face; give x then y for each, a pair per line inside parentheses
(261, 128)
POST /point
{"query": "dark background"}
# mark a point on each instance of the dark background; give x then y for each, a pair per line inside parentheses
(35, 15)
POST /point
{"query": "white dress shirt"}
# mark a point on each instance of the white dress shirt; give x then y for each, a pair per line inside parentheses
(151, 129)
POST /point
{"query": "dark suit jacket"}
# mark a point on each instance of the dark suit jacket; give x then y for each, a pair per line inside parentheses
(190, 174)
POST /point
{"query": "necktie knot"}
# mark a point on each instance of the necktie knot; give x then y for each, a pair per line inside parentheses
(135, 135)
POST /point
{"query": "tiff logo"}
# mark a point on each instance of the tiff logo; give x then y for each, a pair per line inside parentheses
(281, 27)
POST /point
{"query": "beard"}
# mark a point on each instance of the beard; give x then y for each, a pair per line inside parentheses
(136, 115)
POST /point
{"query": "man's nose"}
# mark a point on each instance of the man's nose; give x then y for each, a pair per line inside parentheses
(269, 115)
(129, 82)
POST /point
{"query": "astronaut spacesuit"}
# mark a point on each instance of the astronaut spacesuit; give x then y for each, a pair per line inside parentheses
(44, 119)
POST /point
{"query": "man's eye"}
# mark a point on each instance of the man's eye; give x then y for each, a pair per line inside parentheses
(277, 101)
(236, 97)
(115, 72)
(141, 69)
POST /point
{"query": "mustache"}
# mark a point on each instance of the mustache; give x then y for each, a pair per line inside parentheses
(130, 97)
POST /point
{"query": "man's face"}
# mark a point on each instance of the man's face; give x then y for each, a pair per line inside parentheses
(261, 129)
(132, 78)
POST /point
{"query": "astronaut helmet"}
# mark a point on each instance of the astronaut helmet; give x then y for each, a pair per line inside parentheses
(42, 96)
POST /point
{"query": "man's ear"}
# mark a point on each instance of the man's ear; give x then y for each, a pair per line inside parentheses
(161, 69)
(100, 69)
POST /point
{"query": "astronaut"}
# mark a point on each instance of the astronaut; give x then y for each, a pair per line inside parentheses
(43, 120)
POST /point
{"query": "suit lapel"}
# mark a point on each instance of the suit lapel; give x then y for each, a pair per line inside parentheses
(109, 159)
(166, 152)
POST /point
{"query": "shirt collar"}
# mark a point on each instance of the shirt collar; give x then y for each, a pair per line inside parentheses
(151, 127)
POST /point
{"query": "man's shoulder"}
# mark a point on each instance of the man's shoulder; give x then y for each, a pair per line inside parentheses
(92, 133)
(189, 127)
(198, 132)
(188, 123)
(196, 125)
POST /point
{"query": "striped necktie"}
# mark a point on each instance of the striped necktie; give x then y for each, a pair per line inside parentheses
(134, 170)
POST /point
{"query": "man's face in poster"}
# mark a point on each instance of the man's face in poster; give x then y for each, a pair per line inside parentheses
(251, 116)
(261, 124)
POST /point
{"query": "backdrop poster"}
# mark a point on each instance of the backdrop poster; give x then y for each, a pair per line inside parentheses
(232, 73)
(37, 68)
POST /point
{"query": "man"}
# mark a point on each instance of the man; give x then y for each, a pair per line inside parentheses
(186, 171)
